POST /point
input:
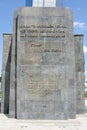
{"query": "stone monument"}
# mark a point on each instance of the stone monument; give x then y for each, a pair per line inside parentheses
(43, 65)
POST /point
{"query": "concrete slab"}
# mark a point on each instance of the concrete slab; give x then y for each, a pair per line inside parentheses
(80, 123)
(12, 124)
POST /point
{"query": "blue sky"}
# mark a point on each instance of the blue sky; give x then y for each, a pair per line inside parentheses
(78, 7)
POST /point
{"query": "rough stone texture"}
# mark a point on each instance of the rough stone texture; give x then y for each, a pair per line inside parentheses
(43, 66)
(7, 39)
(13, 73)
(79, 56)
(45, 73)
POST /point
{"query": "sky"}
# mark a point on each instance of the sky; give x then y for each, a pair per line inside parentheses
(78, 7)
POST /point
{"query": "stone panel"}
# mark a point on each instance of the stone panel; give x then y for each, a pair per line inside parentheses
(42, 67)
(7, 38)
(79, 55)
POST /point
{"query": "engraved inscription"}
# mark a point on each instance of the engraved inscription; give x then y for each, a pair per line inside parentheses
(40, 32)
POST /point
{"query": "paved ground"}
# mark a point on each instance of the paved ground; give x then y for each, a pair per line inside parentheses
(12, 124)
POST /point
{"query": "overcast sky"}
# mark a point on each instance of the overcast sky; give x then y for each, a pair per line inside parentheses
(78, 7)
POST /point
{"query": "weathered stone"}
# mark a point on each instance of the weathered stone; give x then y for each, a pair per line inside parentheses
(45, 69)
(7, 38)
(79, 56)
